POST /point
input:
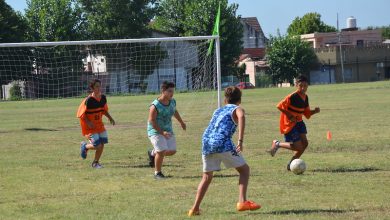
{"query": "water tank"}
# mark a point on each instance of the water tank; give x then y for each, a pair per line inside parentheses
(351, 22)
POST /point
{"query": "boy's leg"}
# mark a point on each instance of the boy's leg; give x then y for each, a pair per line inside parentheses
(160, 147)
(301, 147)
(99, 151)
(158, 160)
(202, 189)
(171, 144)
(243, 182)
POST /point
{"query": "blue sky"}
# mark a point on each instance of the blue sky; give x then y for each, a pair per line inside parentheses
(278, 14)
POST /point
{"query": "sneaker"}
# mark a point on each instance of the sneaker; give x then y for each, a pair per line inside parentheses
(159, 176)
(288, 167)
(151, 158)
(96, 165)
(192, 212)
(247, 205)
(274, 148)
(83, 150)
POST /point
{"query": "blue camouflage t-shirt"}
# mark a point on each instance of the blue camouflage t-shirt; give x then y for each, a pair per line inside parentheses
(164, 117)
(217, 138)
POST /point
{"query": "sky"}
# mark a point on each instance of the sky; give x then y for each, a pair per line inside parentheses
(278, 14)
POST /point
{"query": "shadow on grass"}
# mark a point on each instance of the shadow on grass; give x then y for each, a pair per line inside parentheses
(308, 211)
(39, 129)
(145, 165)
(347, 170)
(215, 176)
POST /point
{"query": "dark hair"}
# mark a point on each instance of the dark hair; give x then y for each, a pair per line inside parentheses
(166, 85)
(300, 78)
(232, 95)
(93, 83)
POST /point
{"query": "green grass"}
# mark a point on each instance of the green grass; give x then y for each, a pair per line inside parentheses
(43, 177)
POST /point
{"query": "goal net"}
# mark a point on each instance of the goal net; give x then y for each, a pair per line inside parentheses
(132, 66)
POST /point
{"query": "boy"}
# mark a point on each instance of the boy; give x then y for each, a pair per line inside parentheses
(90, 113)
(160, 130)
(292, 126)
(218, 147)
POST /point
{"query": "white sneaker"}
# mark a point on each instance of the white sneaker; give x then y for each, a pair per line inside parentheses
(97, 165)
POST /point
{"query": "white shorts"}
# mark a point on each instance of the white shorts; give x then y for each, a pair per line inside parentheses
(230, 159)
(160, 143)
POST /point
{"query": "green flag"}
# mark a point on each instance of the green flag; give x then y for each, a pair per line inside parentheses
(215, 30)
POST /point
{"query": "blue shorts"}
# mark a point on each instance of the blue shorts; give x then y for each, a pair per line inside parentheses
(294, 134)
(98, 138)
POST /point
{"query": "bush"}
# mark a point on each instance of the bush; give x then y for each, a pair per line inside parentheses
(15, 92)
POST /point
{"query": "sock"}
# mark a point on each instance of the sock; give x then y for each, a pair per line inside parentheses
(155, 172)
(277, 144)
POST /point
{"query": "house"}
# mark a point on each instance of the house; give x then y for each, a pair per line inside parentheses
(254, 43)
(351, 55)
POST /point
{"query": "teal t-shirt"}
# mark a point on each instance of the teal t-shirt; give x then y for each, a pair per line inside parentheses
(164, 117)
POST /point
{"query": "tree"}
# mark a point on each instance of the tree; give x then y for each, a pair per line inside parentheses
(107, 19)
(289, 56)
(386, 32)
(12, 24)
(196, 18)
(309, 23)
(240, 72)
(54, 20)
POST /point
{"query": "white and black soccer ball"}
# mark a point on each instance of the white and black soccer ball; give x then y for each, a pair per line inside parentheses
(298, 166)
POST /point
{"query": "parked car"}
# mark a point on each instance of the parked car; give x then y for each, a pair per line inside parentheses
(227, 84)
(245, 85)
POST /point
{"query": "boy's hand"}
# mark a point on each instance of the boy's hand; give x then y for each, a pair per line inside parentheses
(317, 110)
(112, 121)
(239, 147)
(292, 118)
(183, 125)
(166, 134)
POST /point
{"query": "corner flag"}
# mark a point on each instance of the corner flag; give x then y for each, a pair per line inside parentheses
(215, 30)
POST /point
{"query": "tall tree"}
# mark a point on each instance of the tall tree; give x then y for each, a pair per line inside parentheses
(118, 19)
(386, 32)
(309, 23)
(195, 18)
(54, 20)
(289, 56)
(12, 24)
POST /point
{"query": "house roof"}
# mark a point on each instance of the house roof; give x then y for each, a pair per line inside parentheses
(253, 22)
(258, 53)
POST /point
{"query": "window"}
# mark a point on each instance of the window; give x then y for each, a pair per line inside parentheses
(360, 43)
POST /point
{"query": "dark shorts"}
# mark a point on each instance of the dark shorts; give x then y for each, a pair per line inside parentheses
(294, 134)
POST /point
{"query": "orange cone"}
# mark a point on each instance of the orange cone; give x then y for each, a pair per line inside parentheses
(329, 136)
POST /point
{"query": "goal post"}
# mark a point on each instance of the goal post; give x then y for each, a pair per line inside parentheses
(125, 66)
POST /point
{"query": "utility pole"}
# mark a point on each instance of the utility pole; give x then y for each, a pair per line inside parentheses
(341, 52)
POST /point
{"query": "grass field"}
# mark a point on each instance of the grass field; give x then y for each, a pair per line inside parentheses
(43, 177)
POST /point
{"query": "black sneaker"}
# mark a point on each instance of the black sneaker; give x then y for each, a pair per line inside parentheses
(288, 167)
(159, 176)
(151, 158)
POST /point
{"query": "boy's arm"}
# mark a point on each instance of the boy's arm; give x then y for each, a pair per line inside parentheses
(315, 110)
(290, 116)
(87, 121)
(240, 113)
(153, 121)
(178, 118)
(107, 114)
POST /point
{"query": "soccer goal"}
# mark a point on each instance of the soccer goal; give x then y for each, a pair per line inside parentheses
(42, 70)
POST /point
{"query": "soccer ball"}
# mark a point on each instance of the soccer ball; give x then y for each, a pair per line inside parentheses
(298, 166)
